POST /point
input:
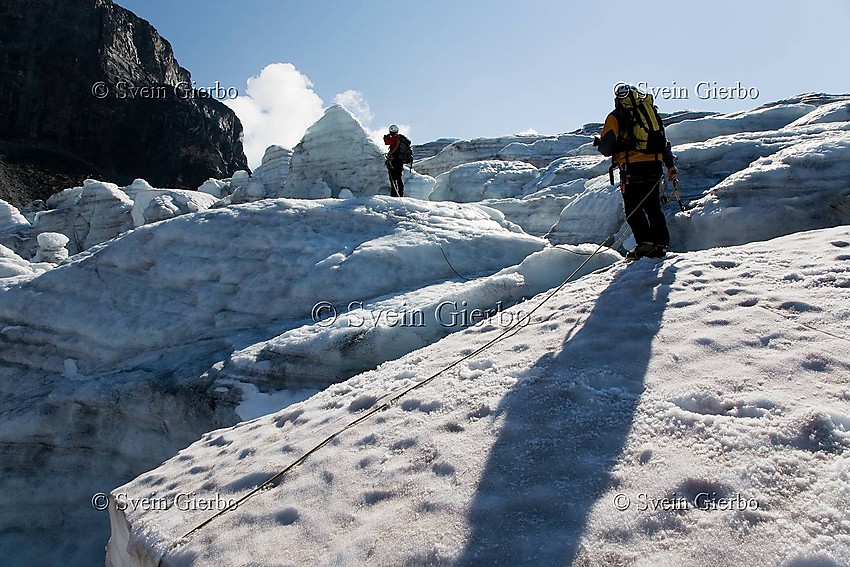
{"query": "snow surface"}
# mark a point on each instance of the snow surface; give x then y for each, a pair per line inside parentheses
(11, 218)
(356, 337)
(763, 118)
(225, 270)
(838, 111)
(12, 265)
(267, 181)
(567, 169)
(739, 187)
(274, 169)
(215, 187)
(336, 154)
(108, 361)
(542, 152)
(87, 215)
(728, 378)
(523, 148)
(706, 393)
(99, 211)
(592, 216)
(481, 180)
(154, 205)
(802, 186)
(538, 212)
(51, 247)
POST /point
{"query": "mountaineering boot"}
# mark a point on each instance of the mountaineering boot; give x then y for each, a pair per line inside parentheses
(658, 251)
(641, 250)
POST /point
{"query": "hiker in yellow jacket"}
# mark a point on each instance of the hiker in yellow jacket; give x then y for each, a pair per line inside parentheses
(633, 136)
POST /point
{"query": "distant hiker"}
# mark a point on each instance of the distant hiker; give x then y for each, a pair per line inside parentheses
(633, 135)
(400, 154)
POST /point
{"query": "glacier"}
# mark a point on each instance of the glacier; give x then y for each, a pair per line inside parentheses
(194, 342)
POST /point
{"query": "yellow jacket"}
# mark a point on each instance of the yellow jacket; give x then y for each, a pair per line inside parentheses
(609, 145)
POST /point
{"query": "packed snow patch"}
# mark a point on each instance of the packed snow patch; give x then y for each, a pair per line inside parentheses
(671, 405)
(11, 218)
(472, 182)
(759, 119)
(800, 187)
(350, 339)
(223, 271)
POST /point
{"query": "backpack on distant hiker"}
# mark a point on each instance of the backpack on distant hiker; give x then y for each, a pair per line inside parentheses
(643, 130)
(405, 152)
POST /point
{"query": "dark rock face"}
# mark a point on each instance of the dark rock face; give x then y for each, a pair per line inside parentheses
(69, 108)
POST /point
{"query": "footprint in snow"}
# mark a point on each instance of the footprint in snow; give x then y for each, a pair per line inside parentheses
(429, 407)
(701, 492)
(711, 405)
(374, 496)
(371, 439)
(289, 417)
(815, 364)
(362, 403)
(424, 407)
(403, 444)
(482, 412)
(799, 307)
(247, 482)
(287, 516)
(443, 469)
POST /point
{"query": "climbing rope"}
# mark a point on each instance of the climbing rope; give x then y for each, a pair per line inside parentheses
(409, 215)
(391, 399)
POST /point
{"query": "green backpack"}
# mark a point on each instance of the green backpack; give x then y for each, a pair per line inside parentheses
(405, 152)
(643, 130)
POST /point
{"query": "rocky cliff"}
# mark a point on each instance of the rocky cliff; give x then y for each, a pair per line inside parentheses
(88, 89)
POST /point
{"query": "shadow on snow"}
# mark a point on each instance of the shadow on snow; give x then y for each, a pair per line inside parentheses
(564, 427)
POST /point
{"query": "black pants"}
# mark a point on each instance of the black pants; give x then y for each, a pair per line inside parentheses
(644, 215)
(396, 168)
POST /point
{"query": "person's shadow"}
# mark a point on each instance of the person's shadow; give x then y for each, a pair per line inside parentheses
(564, 426)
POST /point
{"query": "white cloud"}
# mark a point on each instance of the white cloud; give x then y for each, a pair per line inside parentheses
(529, 132)
(278, 106)
(354, 102)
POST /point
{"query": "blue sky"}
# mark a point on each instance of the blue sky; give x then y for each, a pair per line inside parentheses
(483, 68)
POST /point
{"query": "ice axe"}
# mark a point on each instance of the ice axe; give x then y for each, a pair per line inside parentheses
(665, 199)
